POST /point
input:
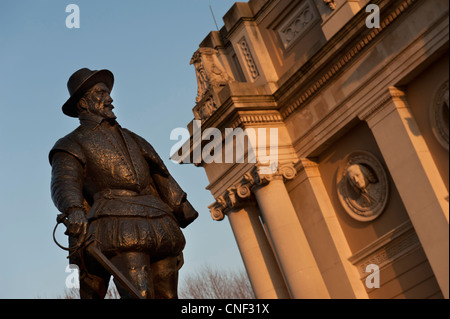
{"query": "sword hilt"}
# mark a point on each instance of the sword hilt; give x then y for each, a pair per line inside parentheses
(62, 219)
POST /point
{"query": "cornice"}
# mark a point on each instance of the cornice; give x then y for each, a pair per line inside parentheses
(387, 249)
(243, 119)
(324, 75)
(393, 93)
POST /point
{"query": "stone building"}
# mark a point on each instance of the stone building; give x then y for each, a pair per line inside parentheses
(341, 109)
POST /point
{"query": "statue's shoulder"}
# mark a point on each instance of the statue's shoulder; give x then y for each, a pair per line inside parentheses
(70, 144)
(149, 152)
(143, 143)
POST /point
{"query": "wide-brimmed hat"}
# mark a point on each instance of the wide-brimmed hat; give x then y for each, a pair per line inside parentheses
(80, 82)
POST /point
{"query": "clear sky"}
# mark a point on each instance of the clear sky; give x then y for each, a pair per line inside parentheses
(147, 44)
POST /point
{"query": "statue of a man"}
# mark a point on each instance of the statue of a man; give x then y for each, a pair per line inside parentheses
(112, 186)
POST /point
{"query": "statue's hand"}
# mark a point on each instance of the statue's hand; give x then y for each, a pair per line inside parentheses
(76, 222)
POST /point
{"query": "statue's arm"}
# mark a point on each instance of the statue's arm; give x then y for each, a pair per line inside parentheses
(151, 156)
(171, 193)
(67, 191)
(67, 182)
(168, 189)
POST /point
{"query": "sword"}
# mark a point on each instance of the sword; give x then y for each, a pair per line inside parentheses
(109, 266)
(100, 257)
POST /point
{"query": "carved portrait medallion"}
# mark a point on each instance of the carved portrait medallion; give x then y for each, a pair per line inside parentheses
(362, 186)
(439, 114)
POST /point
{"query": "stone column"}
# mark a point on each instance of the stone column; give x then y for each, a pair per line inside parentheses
(416, 177)
(256, 252)
(326, 236)
(291, 247)
(261, 265)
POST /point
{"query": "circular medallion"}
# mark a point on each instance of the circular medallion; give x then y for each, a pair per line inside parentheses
(439, 115)
(362, 186)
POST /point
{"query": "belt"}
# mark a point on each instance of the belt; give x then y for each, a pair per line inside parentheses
(114, 193)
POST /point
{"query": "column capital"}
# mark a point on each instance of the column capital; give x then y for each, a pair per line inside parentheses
(261, 175)
(392, 94)
(307, 164)
(240, 192)
(234, 197)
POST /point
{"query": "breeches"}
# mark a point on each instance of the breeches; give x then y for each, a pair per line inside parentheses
(159, 237)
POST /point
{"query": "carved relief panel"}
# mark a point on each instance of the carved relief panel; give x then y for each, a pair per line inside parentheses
(362, 186)
(248, 57)
(439, 114)
(297, 23)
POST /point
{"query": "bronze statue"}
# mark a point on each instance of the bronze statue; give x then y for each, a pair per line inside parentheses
(122, 208)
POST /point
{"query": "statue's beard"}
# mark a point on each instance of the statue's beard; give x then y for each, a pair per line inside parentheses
(110, 115)
(105, 111)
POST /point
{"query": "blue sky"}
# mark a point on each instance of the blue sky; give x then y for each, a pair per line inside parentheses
(148, 46)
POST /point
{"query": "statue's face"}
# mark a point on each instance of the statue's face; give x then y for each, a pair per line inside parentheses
(357, 177)
(98, 101)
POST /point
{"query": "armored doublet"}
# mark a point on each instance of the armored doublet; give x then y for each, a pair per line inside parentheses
(112, 172)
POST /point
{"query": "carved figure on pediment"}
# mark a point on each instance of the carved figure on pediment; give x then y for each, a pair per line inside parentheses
(331, 4)
(206, 109)
(209, 70)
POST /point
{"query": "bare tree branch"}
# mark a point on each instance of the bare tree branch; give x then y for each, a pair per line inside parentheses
(207, 283)
(211, 283)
